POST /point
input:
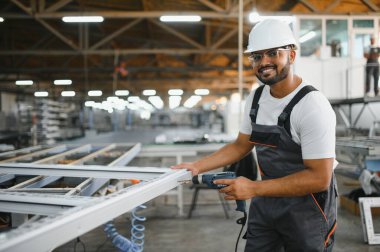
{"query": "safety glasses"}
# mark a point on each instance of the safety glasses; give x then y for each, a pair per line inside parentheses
(256, 58)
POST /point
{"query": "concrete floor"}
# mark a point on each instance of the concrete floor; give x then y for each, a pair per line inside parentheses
(208, 230)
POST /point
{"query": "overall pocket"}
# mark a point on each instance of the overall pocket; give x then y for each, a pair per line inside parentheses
(265, 138)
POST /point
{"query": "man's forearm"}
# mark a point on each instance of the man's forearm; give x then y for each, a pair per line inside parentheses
(310, 180)
(228, 154)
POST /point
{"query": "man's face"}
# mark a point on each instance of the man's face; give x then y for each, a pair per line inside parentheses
(274, 65)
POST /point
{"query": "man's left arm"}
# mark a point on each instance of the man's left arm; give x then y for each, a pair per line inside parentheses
(315, 177)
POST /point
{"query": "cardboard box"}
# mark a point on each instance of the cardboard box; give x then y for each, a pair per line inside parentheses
(353, 206)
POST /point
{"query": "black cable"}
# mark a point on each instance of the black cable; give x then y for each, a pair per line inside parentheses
(78, 241)
(242, 222)
(101, 245)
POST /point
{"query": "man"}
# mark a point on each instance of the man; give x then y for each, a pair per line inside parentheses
(372, 53)
(293, 208)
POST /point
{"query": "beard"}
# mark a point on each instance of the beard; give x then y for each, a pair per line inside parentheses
(278, 77)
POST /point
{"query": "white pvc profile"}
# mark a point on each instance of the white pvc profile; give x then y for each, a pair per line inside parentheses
(366, 203)
(40, 204)
(83, 171)
(50, 232)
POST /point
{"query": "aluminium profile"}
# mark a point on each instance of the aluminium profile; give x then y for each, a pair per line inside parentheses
(50, 232)
(124, 159)
(83, 171)
(40, 204)
(365, 204)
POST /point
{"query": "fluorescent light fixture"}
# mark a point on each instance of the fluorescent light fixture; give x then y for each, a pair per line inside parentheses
(174, 101)
(89, 103)
(95, 93)
(122, 92)
(156, 101)
(254, 17)
(192, 101)
(133, 98)
(175, 92)
(182, 18)
(68, 93)
(112, 99)
(63, 82)
(1, 19)
(83, 19)
(24, 82)
(201, 91)
(307, 36)
(149, 92)
(41, 94)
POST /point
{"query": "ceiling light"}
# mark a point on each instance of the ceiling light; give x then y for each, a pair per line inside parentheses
(68, 93)
(192, 101)
(41, 94)
(174, 101)
(95, 93)
(24, 82)
(122, 92)
(183, 18)
(175, 92)
(201, 91)
(63, 82)
(156, 101)
(149, 92)
(254, 17)
(112, 99)
(83, 19)
(307, 36)
(1, 19)
(133, 98)
(89, 103)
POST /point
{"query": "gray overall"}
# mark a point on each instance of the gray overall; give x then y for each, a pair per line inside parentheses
(306, 223)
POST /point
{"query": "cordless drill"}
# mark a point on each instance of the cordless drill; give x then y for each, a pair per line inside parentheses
(209, 178)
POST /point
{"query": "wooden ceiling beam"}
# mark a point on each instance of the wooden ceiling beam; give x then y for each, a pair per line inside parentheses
(212, 6)
(116, 33)
(135, 14)
(225, 38)
(58, 5)
(332, 5)
(41, 5)
(309, 5)
(371, 5)
(106, 52)
(178, 34)
(47, 26)
(235, 8)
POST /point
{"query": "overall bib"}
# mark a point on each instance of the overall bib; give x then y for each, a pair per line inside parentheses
(306, 223)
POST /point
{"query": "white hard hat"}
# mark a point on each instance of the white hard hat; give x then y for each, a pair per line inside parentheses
(270, 33)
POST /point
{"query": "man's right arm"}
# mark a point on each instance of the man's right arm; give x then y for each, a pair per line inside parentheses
(228, 154)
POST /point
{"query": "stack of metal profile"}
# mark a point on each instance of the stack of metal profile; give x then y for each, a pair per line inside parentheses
(358, 150)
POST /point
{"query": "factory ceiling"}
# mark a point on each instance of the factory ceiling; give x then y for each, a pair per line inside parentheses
(132, 49)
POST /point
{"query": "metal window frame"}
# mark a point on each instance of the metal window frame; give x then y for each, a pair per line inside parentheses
(50, 232)
(366, 203)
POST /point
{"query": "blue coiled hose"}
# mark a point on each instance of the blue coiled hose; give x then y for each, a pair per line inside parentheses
(136, 244)
(137, 231)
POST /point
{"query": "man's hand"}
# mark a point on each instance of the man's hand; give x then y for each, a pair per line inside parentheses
(240, 188)
(190, 166)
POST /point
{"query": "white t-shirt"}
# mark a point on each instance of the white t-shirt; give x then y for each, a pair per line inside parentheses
(312, 121)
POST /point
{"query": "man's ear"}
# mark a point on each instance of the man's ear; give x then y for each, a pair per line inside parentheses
(292, 56)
